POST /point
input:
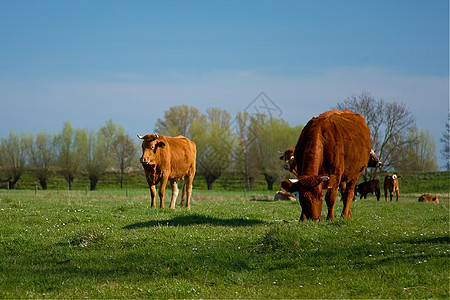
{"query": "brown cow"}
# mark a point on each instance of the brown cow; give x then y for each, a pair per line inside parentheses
(371, 186)
(428, 198)
(333, 147)
(391, 185)
(290, 165)
(169, 159)
(289, 161)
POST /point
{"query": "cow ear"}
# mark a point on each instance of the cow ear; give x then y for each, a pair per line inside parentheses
(160, 144)
(311, 181)
(282, 157)
(398, 177)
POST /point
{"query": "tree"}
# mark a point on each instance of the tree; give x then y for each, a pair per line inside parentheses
(177, 121)
(271, 135)
(390, 125)
(215, 144)
(125, 152)
(445, 140)
(99, 156)
(419, 154)
(13, 156)
(43, 157)
(72, 148)
(245, 163)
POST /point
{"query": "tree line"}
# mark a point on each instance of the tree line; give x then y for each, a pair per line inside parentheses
(247, 145)
(68, 153)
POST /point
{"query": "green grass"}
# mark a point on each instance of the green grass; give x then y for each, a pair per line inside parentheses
(106, 245)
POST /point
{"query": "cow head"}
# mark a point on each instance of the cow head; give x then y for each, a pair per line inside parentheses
(309, 188)
(151, 147)
(288, 158)
(392, 179)
(374, 161)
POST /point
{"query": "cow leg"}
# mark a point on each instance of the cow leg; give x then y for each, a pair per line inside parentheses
(347, 199)
(188, 188)
(183, 194)
(162, 190)
(385, 194)
(330, 199)
(153, 195)
(391, 194)
(174, 193)
(396, 192)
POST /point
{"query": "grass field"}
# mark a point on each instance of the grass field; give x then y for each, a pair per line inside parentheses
(106, 245)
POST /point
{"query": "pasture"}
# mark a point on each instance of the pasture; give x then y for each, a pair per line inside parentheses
(103, 244)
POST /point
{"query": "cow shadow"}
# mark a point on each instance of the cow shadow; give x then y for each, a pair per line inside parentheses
(196, 219)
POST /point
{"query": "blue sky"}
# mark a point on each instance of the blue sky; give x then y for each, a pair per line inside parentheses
(90, 61)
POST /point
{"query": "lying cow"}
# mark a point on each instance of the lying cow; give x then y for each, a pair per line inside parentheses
(428, 198)
(283, 195)
(168, 159)
(391, 185)
(290, 165)
(371, 186)
(332, 151)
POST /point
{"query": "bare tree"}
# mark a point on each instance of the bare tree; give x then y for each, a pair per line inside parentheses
(43, 157)
(13, 156)
(125, 153)
(245, 162)
(390, 125)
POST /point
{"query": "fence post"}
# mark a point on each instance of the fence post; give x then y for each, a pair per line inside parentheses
(35, 190)
(8, 185)
(87, 188)
(127, 192)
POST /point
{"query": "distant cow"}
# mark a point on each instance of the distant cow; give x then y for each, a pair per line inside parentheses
(290, 165)
(283, 195)
(391, 185)
(168, 159)
(428, 198)
(371, 186)
(332, 151)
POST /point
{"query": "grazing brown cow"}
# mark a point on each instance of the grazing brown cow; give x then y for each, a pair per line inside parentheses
(371, 186)
(391, 185)
(168, 159)
(428, 198)
(333, 148)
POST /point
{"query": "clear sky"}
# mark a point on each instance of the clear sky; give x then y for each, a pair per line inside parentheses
(91, 61)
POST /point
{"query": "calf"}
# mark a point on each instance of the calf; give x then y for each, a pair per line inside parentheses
(371, 186)
(391, 185)
(428, 198)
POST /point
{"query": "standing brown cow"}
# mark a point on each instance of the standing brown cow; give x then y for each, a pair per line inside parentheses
(391, 185)
(333, 148)
(168, 159)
